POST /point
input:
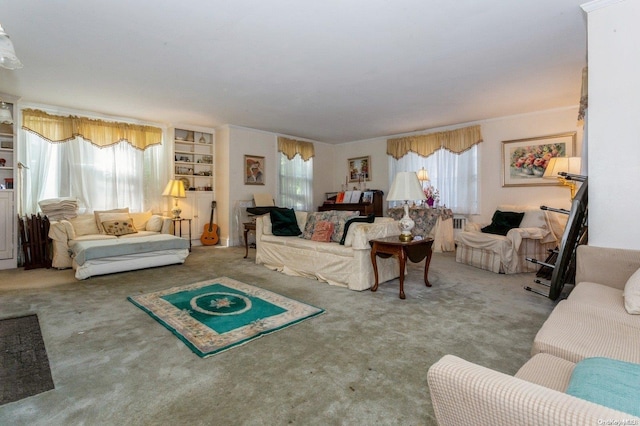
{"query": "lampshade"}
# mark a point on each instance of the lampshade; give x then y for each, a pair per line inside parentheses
(175, 189)
(556, 165)
(8, 58)
(5, 113)
(405, 186)
(423, 175)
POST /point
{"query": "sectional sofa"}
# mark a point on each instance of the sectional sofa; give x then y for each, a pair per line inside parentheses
(585, 335)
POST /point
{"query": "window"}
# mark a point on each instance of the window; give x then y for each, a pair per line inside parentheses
(117, 175)
(455, 176)
(295, 183)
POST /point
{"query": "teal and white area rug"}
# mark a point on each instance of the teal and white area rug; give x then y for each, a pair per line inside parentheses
(215, 315)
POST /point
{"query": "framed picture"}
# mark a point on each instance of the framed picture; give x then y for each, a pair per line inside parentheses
(525, 160)
(254, 170)
(359, 169)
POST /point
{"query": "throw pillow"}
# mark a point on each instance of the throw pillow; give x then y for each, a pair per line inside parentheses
(503, 222)
(105, 217)
(323, 231)
(632, 293)
(155, 223)
(119, 227)
(284, 223)
(368, 219)
(97, 214)
(310, 224)
(609, 382)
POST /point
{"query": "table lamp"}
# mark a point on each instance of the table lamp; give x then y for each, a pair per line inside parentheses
(175, 189)
(405, 187)
(559, 165)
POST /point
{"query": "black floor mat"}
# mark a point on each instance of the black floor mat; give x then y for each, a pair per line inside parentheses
(24, 365)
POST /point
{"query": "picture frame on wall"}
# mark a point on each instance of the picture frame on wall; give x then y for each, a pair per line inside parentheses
(525, 160)
(254, 169)
(359, 169)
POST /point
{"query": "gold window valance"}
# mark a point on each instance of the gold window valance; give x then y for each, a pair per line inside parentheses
(56, 128)
(584, 94)
(457, 141)
(291, 147)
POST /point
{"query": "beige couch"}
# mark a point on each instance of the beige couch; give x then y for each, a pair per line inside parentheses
(347, 265)
(591, 322)
(84, 227)
(538, 233)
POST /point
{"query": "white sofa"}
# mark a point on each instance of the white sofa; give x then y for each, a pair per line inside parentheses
(538, 233)
(591, 322)
(84, 227)
(347, 265)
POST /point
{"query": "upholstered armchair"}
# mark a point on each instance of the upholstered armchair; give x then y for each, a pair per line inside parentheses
(538, 232)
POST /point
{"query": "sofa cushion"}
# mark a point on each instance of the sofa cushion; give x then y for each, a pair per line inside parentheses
(284, 223)
(338, 218)
(99, 221)
(502, 222)
(322, 231)
(119, 227)
(632, 293)
(84, 224)
(140, 219)
(609, 382)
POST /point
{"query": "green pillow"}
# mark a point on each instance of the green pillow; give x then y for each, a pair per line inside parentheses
(503, 222)
(284, 223)
(609, 382)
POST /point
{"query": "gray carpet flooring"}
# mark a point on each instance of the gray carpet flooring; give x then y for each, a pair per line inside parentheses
(363, 362)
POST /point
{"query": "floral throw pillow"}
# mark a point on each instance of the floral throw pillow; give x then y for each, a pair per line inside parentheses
(322, 231)
(119, 227)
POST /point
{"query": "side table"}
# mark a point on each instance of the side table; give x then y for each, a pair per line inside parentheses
(178, 221)
(248, 226)
(415, 250)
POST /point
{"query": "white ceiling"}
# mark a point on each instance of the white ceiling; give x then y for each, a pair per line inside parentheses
(328, 70)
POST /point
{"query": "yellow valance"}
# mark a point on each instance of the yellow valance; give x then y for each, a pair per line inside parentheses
(291, 147)
(457, 141)
(55, 128)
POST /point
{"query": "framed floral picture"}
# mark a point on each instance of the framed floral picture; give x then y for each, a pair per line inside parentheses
(359, 169)
(525, 160)
(253, 170)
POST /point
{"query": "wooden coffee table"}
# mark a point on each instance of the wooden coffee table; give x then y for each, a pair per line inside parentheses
(415, 250)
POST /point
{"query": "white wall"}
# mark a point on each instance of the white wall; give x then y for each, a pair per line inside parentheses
(494, 132)
(614, 127)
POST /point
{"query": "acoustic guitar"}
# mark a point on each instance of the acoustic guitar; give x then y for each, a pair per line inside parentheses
(209, 235)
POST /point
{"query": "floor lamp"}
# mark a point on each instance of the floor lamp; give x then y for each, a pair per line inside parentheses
(557, 165)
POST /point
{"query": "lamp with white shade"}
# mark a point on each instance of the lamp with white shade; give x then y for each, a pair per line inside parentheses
(406, 186)
(566, 165)
(175, 189)
(8, 58)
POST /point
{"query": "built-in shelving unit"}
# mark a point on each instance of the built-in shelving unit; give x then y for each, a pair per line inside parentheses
(8, 241)
(193, 159)
(193, 163)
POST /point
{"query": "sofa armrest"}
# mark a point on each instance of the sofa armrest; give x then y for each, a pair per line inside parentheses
(607, 266)
(61, 230)
(474, 226)
(360, 233)
(466, 393)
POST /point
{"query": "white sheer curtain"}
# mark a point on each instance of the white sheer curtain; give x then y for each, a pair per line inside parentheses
(295, 183)
(100, 178)
(455, 176)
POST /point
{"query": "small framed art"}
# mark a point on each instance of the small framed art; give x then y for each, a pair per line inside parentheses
(525, 160)
(359, 169)
(254, 168)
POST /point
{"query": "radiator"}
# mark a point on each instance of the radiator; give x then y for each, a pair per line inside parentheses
(459, 222)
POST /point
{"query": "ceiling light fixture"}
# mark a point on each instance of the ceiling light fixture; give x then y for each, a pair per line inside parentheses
(8, 58)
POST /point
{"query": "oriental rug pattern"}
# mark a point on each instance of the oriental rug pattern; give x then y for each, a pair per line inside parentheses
(215, 315)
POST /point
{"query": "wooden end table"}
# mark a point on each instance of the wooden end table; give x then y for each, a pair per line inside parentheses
(415, 250)
(248, 226)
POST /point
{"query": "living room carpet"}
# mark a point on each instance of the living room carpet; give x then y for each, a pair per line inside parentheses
(24, 365)
(215, 315)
